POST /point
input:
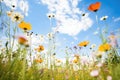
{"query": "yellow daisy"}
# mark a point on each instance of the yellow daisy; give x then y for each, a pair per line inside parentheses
(75, 60)
(25, 26)
(104, 47)
(84, 43)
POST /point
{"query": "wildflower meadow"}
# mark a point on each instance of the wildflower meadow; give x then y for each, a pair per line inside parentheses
(69, 41)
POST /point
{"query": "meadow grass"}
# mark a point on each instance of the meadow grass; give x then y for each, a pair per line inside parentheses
(20, 61)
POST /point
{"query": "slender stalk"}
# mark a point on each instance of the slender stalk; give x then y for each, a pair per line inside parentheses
(14, 33)
(30, 47)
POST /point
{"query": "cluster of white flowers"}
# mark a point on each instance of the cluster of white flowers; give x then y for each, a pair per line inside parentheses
(18, 4)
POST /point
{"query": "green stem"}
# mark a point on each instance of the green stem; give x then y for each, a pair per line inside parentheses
(9, 35)
(14, 33)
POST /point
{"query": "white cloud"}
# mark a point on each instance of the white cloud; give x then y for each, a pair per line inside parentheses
(68, 16)
(18, 4)
(11, 3)
(24, 6)
(117, 19)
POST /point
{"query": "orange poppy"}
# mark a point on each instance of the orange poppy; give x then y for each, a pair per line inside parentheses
(40, 48)
(22, 40)
(94, 7)
(39, 60)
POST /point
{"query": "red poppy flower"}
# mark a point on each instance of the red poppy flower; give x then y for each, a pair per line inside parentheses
(94, 7)
(22, 40)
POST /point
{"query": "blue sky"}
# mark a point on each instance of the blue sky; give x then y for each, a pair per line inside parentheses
(41, 25)
(37, 16)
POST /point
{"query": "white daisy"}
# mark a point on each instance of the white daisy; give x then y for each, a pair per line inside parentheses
(58, 62)
(17, 17)
(51, 15)
(50, 35)
(93, 46)
(103, 18)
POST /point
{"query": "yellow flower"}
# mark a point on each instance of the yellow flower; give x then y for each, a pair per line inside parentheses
(84, 43)
(39, 60)
(40, 48)
(25, 26)
(77, 56)
(101, 47)
(58, 60)
(75, 60)
(99, 54)
(104, 47)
